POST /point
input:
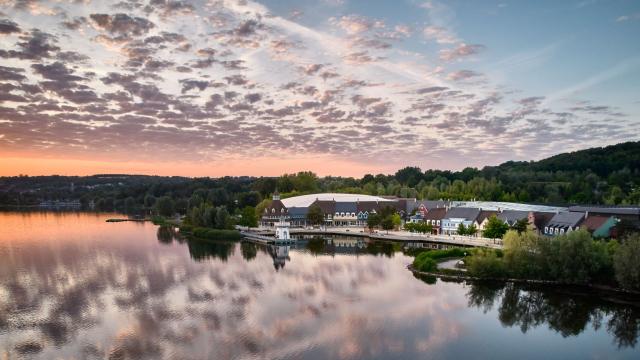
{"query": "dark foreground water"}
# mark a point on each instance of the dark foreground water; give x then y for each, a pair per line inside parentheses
(74, 286)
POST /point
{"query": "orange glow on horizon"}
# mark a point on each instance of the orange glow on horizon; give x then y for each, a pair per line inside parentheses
(321, 165)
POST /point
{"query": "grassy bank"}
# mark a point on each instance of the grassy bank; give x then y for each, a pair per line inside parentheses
(210, 234)
(427, 261)
(571, 259)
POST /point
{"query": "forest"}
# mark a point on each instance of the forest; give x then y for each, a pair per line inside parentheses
(608, 175)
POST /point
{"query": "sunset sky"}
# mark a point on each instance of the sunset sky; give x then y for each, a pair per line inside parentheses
(339, 87)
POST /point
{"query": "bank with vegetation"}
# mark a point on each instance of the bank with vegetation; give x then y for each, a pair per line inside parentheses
(573, 259)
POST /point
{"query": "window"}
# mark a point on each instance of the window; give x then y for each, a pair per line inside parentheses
(273, 211)
(561, 231)
(546, 229)
(438, 221)
(353, 214)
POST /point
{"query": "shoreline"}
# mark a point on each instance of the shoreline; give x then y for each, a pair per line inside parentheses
(550, 283)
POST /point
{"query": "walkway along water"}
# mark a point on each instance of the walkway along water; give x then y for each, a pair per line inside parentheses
(265, 235)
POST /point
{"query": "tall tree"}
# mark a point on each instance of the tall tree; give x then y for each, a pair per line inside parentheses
(248, 217)
(495, 228)
(164, 206)
(315, 215)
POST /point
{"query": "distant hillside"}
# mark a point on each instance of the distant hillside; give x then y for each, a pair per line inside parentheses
(601, 160)
(609, 175)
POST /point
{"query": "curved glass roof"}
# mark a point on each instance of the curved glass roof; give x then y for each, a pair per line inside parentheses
(306, 200)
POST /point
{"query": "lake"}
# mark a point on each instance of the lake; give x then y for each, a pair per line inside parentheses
(75, 286)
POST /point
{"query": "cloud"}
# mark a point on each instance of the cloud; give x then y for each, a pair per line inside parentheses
(355, 24)
(630, 17)
(460, 51)
(7, 27)
(440, 34)
(34, 46)
(237, 77)
(462, 75)
(122, 24)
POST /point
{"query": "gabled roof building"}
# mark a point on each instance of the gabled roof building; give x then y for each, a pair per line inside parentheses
(456, 216)
(563, 222)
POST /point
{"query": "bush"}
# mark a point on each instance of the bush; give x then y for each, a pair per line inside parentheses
(486, 263)
(448, 253)
(158, 220)
(626, 264)
(215, 234)
(424, 263)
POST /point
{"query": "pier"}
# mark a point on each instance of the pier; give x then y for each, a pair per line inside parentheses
(268, 236)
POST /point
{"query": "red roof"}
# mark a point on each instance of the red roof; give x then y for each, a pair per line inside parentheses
(594, 222)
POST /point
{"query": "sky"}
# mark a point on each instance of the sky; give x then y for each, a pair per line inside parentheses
(338, 87)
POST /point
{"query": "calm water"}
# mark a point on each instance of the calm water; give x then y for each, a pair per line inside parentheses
(74, 286)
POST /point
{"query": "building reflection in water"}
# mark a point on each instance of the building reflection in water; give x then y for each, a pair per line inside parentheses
(280, 255)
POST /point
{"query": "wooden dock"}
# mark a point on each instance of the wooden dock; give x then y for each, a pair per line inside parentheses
(265, 239)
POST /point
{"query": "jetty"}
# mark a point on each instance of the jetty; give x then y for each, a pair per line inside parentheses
(268, 236)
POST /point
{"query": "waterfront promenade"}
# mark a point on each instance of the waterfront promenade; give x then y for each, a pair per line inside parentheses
(402, 236)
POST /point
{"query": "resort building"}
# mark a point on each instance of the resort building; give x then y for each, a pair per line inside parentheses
(338, 209)
(537, 220)
(563, 222)
(274, 211)
(511, 217)
(434, 218)
(599, 226)
(456, 216)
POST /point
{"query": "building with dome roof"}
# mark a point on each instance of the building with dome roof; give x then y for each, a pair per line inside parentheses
(338, 209)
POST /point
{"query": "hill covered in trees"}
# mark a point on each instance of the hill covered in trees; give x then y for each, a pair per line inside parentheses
(608, 175)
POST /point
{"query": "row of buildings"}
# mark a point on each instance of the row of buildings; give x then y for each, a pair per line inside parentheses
(353, 210)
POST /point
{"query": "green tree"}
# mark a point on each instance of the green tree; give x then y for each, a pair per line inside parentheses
(472, 230)
(223, 220)
(462, 230)
(248, 217)
(164, 206)
(387, 223)
(149, 200)
(315, 215)
(495, 228)
(521, 225)
(373, 221)
(130, 204)
(396, 220)
(626, 264)
(251, 198)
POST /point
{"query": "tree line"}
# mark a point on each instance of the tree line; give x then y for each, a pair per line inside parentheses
(608, 175)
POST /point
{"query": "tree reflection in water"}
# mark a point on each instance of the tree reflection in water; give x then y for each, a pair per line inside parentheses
(201, 250)
(249, 250)
(166, 234)
(567, 314)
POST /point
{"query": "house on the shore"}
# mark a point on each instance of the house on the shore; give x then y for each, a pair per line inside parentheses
(434, 218)
(537, 220)
(564, 222)
(275, 211)
(456, 216)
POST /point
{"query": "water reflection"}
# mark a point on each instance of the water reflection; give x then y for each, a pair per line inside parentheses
(569, 313)
(77, 287)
